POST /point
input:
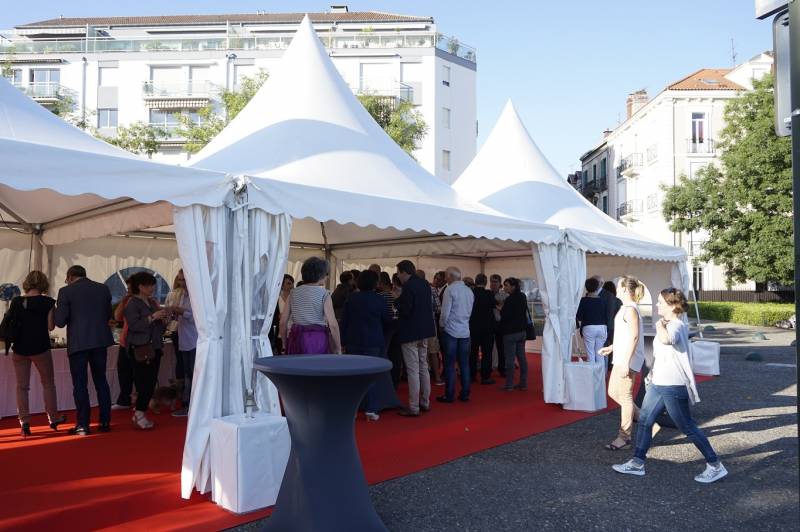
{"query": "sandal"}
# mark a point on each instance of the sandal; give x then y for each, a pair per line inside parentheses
(612, 447)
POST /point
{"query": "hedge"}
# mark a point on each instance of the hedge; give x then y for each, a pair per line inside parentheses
(759, 314)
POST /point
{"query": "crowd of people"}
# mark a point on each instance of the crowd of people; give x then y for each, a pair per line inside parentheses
(84, 307)
(425, 329)
(400, 317)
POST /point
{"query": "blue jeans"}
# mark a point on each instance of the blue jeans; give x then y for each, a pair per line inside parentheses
(676, 400)
(456, 349)
(96, 360)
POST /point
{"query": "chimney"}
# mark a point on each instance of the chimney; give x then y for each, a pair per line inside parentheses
(340, 8)
(636, 100)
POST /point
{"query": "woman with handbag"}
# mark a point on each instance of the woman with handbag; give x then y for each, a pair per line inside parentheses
(628, 349)
(671, 384)
(32, 316)
(309, 326)
(145, 330)
(514, 324)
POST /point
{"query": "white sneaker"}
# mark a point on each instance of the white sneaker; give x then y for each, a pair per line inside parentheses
(629, 468)
(372, 416)
(712, 474)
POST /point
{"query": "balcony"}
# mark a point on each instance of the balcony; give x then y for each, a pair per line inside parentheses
(630, 165)
(45, 92)
(591, 190)
(653, 202)
(629, 210)
(700, 147)
(385, 88)
(169, 90)
(13, 44)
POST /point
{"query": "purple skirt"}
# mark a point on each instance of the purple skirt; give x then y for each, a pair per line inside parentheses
(308, 340)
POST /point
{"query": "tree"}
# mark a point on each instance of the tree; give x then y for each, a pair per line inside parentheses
(746, 205)
(138, 138)
(200, 133)
(398, 118)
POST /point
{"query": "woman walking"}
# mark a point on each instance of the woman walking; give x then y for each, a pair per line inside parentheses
(145, 331)
(628, 349)
(309, 324)
(33, 320)
(671, 384)
(513, 322)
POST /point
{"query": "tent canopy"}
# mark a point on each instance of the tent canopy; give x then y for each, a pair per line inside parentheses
(511, 174)
(310, 150)
(48, 165)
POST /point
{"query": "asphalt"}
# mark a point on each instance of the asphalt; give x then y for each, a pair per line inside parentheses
(562, 479)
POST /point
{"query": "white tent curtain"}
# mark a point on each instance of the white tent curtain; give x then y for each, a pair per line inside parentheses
(269, 236)
(203, 236)
(561, 271)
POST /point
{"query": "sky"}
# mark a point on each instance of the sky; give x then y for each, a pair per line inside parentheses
(568, 66)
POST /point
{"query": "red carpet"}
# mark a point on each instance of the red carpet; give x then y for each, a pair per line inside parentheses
(130, 479)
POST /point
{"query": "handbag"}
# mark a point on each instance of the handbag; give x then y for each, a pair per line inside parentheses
(144, 353)
(530, 329)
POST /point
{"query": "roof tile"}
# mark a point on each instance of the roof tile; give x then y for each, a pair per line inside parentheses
(706, 79)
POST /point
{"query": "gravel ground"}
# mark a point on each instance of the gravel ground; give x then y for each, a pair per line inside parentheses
(562, 479)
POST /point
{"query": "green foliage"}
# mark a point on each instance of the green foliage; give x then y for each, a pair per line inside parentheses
(197, 135)
(758, 314)
(398, 118)
(138, 138)
(746, 206)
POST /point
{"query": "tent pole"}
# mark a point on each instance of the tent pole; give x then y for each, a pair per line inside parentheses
(327, 249)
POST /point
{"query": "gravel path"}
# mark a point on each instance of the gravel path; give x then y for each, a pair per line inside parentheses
(562, 479)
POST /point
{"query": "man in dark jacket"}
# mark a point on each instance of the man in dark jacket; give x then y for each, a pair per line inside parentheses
(481, 330)
(84, 308)
(415, 325)
(340, 294)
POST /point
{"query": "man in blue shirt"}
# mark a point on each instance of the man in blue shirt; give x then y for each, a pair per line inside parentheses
(454, 321)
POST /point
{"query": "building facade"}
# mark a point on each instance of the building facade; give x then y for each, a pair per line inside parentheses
(115, 71)
(663, 138)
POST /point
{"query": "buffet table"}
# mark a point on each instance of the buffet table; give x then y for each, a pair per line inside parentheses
(8, 394)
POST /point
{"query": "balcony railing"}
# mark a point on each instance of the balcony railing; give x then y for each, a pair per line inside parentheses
(43, 90)
(332, 40)
(629, 208)
(630, 165)
(388, 87)
(177, 89)
(706, 146)
(652, 202)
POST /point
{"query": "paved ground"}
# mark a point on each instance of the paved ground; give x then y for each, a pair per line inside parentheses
(562, 479)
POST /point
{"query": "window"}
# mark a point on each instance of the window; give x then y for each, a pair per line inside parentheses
(446, 76)
(108, 77)
(603, 171)
(446, 160)
(698, 128)
(652, 153)
(605, 204)
(45, 75)
(446, 117)
(14, 76)
(168, 119)
(106, 118)
(585, 177)
(697, 278)
(594, 172)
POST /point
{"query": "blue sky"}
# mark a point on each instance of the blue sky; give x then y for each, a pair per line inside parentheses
(568, 66)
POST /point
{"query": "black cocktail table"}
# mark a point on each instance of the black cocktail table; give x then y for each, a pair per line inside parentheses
(323, 488)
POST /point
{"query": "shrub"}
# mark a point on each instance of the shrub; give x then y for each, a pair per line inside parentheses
(759, 314)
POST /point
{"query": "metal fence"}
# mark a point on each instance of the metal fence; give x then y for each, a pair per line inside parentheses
(746, 296)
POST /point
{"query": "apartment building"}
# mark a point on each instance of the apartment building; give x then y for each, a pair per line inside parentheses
(662, 138)
(114, 71)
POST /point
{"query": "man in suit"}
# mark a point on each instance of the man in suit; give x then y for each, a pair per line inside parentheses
(415, 325)
(84, 308)
(482, 326)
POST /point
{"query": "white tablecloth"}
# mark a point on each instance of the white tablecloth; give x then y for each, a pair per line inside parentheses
(8, 381)
(248, 458)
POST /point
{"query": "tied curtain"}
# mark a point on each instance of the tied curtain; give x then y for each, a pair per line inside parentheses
(233, 259)
(561, 270)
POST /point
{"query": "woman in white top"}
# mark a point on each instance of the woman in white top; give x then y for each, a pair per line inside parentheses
(628, 349)
(309, 310)
(671, 385)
